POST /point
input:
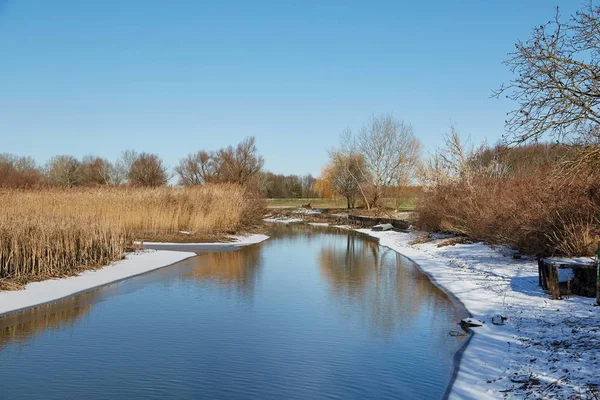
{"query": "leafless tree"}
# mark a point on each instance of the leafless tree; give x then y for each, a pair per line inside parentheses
(557, 82)
(95, 171)
(147, 170)
(119, 171)
(197, 169)
(390, 152)
(241, 164)
(18, 171)
(63, 171)
(460, 161)
(344, 175)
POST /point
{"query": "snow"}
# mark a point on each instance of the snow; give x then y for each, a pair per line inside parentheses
(309, 211)
(39, 293)
(283, 220)
(52, 290)
(571, 260)
(238, 241)
(318, 223)
(546, 348)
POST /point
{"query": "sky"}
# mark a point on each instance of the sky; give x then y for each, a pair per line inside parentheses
(173, 77)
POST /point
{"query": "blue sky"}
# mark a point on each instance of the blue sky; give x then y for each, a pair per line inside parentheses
(172, 77)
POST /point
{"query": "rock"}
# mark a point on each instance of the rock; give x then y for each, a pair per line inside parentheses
(499, 319)
(471, 323)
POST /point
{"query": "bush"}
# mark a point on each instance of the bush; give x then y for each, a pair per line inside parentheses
(517, 197)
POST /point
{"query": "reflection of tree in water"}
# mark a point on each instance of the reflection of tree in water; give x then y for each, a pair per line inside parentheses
(308, 232)
(238, 268)
(22, 327)
(384, 286)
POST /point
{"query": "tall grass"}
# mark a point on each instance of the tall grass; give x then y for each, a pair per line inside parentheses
(56, 232)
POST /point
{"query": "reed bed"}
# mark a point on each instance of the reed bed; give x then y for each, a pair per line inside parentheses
(59, 232)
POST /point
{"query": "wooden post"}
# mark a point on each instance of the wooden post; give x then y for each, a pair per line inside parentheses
(598, 276)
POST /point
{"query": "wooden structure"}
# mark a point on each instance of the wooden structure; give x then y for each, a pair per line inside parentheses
(367, 222)
(568, 276)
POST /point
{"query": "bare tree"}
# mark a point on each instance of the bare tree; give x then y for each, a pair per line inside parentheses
(18, 171)
(95, 171)
(241, 164)
(147, 170)
(557, 81)
(390, 152)
(197, 169)
(119, 171)
(63, 171)
(344, 175)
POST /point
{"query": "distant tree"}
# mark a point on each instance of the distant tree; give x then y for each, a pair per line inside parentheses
(241, 164)
(323, 187)
(147, 170)
(197, 169)
(308, 186)
(20, 172)
(345, 175)
(95, 171)
(557, 83)
(119, 171)
(63, 170)
(390, 152)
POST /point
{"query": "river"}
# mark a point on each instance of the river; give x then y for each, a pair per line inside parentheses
(309, 314)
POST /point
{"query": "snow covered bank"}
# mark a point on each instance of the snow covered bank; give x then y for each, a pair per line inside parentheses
(39, 293)
(546, 349)
(283, 220)
(238, 241)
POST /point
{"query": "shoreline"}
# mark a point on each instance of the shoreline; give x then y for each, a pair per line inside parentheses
(516, 359)
(38, 294)
(546, 348)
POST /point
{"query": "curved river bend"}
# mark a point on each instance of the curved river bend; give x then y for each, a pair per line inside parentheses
(308, 314)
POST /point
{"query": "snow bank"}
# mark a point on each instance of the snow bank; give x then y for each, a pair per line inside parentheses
(283, 220)
(39, 293)
(238, 241)
(309, 211)
(547, 348)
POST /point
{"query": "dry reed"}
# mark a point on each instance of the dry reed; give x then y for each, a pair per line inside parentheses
(57, 232)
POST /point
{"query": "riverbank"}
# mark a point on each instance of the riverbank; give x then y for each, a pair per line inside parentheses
(36, 294)
(546, 348)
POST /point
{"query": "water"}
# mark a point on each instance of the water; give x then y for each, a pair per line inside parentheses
(308, 314)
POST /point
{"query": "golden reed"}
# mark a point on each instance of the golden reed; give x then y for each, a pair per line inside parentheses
(58, 232)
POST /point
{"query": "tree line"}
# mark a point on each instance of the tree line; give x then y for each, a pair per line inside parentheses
(240, 164)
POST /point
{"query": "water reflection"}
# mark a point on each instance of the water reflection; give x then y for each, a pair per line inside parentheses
(387, 288)
(310, 313)
(21, 327)
(238, 269)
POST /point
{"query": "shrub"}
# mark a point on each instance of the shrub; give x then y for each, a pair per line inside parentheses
(522, 201)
